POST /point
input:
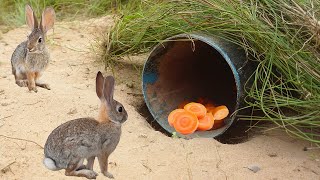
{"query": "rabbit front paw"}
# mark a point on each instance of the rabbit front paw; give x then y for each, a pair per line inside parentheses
(109, 175)
(46, 86)
(43, 85)
(33, 89)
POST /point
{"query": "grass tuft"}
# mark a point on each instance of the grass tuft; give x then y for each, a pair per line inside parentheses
(12, 11)
(283, 36)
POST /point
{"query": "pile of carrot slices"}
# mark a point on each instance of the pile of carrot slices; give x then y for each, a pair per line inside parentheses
(193, 116)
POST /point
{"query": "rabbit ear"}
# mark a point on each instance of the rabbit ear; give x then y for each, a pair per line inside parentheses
(31, 18)
(108, 89)
(99, 85)
(47, 19)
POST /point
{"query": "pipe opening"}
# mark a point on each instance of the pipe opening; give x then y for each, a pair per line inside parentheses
(185, 70)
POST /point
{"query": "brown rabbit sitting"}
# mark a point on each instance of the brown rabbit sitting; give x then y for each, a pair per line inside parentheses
(86, 138)
(31, 57)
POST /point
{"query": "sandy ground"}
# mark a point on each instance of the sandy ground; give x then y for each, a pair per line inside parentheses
(142, 153)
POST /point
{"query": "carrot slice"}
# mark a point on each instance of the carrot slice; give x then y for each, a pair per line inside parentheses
(206, 122)
(220, 112)
(173, 114)
(196, 108)
(186, 122)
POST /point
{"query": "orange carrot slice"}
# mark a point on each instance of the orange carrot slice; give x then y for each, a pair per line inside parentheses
(206, 122)
(173, 114)
(186, 122)
(196, 108)
(220, 112)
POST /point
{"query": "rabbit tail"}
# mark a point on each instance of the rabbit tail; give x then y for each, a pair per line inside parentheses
(50, 164)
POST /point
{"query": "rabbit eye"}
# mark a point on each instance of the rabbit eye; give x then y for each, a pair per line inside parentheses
(40, 40)
(120, 109)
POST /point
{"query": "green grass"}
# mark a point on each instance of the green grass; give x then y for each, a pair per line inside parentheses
(12, 11)
(282, 35)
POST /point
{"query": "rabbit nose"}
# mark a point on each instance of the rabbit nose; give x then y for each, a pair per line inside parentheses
(30, 49)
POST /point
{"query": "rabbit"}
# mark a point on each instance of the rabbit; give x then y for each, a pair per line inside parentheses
(31, 57)
(86, 138)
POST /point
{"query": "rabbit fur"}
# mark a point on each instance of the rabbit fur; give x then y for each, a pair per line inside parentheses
(32, 57)
(86, 138)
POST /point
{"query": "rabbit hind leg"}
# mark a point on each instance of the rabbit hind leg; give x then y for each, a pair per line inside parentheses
(39, 83)
(20, 78)
(89, 164)
(75, 170)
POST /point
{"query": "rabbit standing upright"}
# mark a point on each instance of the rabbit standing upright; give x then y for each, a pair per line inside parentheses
(31, 57)
(86, 138)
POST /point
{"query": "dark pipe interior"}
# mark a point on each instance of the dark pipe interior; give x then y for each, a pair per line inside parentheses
(190, 73)
(185, 71)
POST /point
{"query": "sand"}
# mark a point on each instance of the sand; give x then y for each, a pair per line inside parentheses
(142, 153)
